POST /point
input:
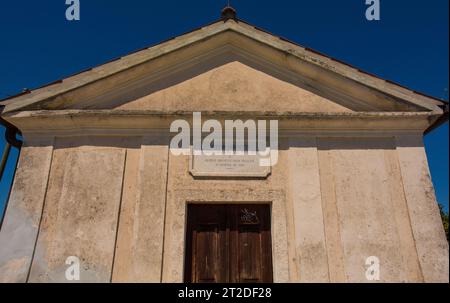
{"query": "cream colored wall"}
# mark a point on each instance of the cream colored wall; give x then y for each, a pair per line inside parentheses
(365, 210)
(23, 214)
(335, 202)
(81, 209)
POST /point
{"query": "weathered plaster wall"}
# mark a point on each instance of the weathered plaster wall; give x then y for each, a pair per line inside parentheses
(81, 210)
(365, 210)
(431, 243)
(139, 249)
(119, 203)
(309, 243)
(23, 214)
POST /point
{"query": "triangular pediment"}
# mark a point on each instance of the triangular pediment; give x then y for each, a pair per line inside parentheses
(230, 87)
(225, 66)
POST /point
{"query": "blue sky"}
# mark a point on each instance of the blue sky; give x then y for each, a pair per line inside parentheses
(409, 45)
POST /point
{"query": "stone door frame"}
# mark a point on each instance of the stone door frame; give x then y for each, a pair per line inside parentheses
(176, 220)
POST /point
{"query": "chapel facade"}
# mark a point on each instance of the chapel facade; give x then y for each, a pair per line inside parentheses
(97, 177)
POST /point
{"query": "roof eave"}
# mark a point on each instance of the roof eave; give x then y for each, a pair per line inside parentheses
(440, 121)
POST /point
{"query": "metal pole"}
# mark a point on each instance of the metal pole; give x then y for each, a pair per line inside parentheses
(5, 156)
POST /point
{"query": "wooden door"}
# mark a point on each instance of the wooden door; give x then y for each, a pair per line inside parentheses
(228, 243)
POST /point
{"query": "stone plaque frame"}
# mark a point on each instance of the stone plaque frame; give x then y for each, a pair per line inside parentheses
(237, 166)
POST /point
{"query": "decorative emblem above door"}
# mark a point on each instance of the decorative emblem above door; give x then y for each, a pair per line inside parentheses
(249, 217)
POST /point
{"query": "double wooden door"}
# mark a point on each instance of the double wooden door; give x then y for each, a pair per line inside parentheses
(228, 244)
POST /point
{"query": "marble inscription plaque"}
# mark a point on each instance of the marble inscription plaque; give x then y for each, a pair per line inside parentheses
(244, 166)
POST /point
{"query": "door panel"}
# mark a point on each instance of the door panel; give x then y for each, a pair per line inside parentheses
(249, 248)
(250, 241)
(205, 241)
(207, 245)
(228, 243)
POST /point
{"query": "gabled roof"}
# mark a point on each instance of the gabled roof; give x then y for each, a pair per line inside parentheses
(312, 65)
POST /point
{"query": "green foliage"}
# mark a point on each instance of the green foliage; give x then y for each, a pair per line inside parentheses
(444, 219)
